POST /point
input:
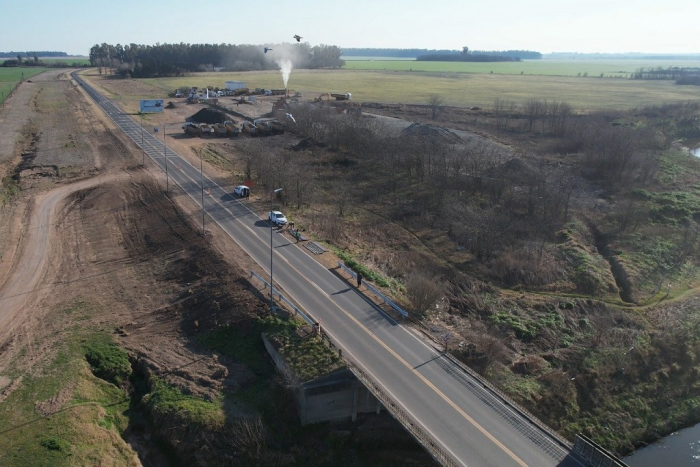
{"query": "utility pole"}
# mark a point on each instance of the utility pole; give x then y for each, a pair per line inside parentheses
(165, 154)
(143, 151)
(201, 182)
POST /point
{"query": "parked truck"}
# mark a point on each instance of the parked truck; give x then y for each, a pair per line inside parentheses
(220, 129)
(263, 127)
(277, 127)
(192, 129)
(231, 128)
(249, 128)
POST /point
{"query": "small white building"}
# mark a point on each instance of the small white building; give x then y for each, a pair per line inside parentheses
(233, 85)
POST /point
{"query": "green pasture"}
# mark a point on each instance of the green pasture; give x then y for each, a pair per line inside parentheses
(10, 76)
(593, 68)
(67, 61)
(457, 89)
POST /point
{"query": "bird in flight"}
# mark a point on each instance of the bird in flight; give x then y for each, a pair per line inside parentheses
(267, 50)
(298, 37)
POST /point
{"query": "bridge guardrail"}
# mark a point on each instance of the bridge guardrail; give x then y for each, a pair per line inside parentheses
(595, 455)
(439, 454)
(506, 398)
(297, 311)
(374, 290)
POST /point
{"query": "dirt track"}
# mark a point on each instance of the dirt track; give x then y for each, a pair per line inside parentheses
(27, 284)
(100, 231)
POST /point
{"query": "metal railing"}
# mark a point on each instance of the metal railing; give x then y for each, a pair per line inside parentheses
(563, 442)
(595, 455)
(281, 297)
(438, 453)
(375, 291)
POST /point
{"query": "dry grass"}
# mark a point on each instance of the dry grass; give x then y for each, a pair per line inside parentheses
(459, 89)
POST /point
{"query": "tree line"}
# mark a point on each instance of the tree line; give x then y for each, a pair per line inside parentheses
(398, 53)
(36, 62)
(682, 75)
(144, 61)
(466, 55)
(38, 53)
(413, 53)
(466, 58)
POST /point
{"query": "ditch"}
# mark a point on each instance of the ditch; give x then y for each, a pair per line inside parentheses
(621, 277)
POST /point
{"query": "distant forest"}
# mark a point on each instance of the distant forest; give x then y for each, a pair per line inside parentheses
(38, 53)
(399, 53)
(467, 55)
(147, 61)
(683, 76)
(415, 53)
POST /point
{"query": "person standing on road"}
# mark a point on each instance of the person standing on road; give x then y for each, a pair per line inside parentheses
(359, 280)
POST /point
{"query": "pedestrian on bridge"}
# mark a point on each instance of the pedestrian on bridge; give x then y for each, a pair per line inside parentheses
(359, 280)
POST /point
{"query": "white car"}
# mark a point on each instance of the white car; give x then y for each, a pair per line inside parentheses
(277, 218)
(242, 191)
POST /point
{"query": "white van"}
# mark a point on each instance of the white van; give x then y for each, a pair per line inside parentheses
(242, 191)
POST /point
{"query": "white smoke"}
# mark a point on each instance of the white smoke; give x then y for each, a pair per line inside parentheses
(285, 65)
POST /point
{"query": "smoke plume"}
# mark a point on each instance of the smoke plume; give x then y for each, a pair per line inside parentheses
(285, 65)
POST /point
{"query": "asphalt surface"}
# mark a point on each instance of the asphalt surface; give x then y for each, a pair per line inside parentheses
(465, 419)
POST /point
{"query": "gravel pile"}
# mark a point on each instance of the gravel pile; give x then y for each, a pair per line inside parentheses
(436, 134)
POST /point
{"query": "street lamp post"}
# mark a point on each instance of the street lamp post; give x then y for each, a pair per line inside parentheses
(272, 303)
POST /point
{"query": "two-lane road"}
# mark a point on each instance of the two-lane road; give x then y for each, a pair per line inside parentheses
(467, 420)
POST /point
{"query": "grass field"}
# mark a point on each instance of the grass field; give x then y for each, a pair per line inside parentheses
(609, 68)
(10, 76)
(458, 89)
(67, 61)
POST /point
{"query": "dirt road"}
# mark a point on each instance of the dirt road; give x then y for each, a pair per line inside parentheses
(27, 283)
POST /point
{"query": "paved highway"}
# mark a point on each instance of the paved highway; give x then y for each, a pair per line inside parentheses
(466, 420)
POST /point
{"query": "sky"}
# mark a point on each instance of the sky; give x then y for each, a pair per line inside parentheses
(585, 26)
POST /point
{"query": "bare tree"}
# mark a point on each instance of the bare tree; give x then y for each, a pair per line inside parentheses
(435, 103)
(423, 291)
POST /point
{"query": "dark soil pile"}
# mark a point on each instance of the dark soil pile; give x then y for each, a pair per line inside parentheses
(433, 133)
(170, 105)
(208, 116)
(305, 144)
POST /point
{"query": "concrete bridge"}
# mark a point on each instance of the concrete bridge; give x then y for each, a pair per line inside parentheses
(458, 417)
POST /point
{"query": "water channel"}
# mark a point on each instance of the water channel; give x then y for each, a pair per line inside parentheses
(680, 449)
(695, 151)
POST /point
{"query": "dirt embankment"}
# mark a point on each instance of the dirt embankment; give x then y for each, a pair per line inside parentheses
(101, 231)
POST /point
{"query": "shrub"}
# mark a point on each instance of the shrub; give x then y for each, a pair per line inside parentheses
(55, 444)
(108, 362)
